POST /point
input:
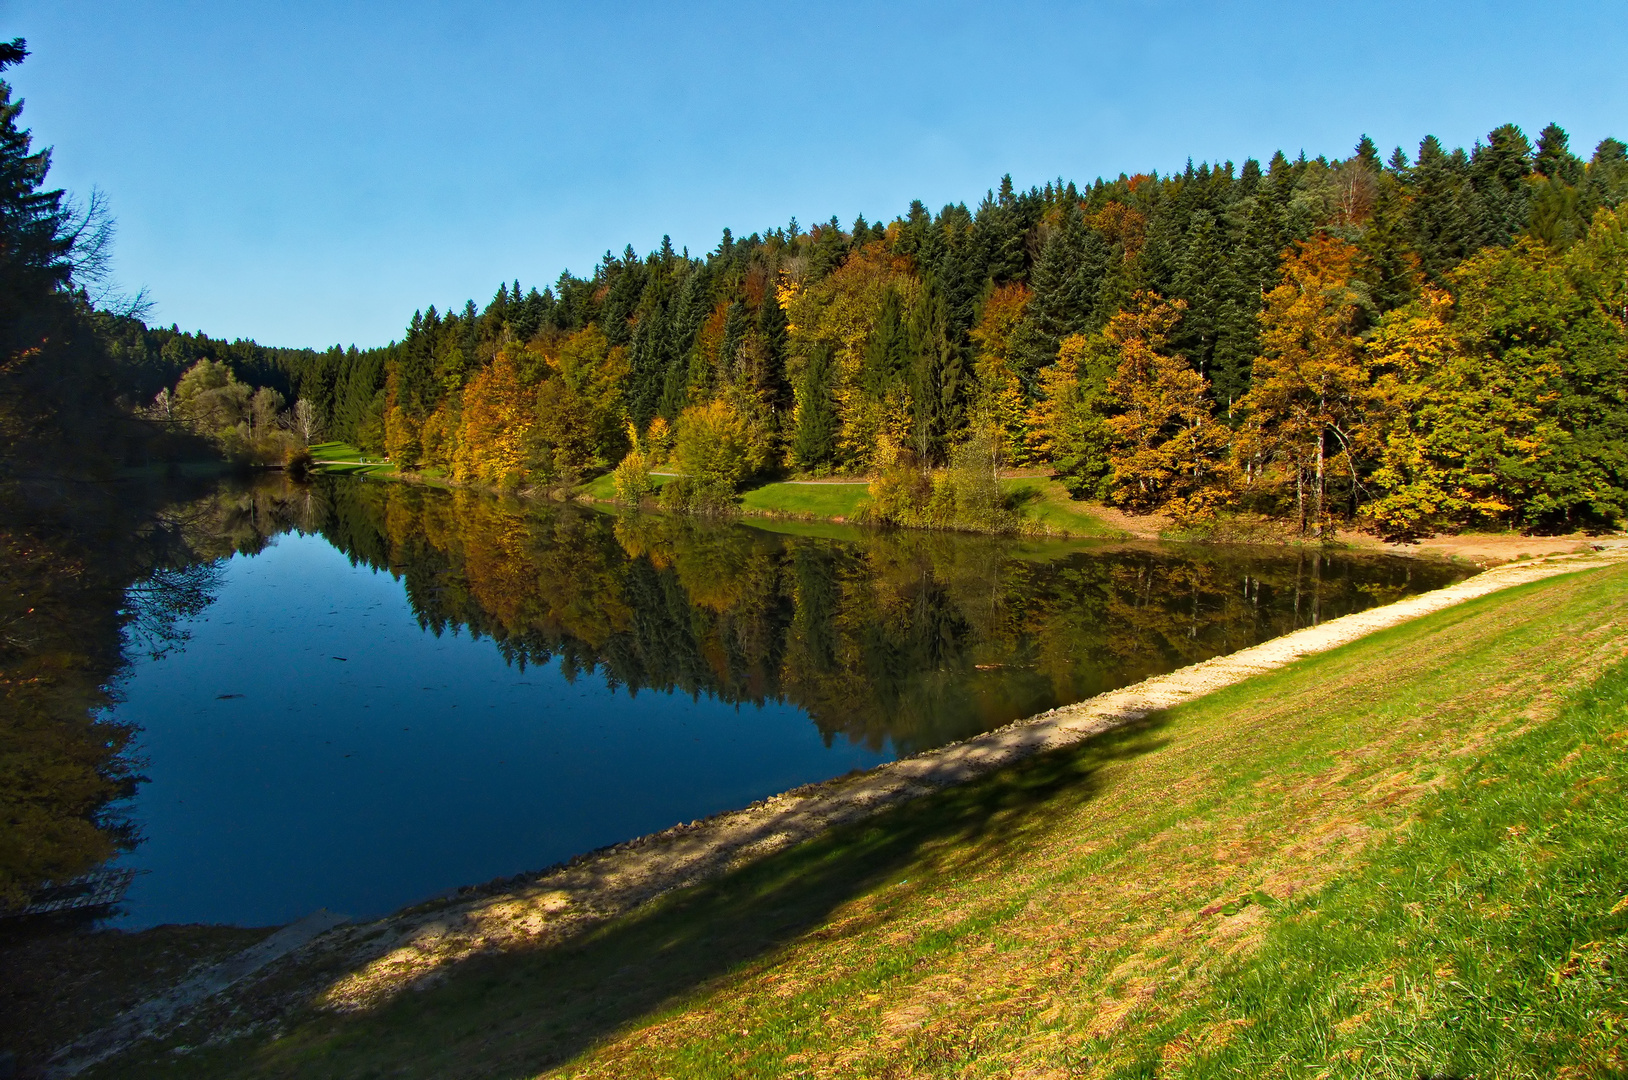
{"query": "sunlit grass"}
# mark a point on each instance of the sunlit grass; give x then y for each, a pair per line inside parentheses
(1048, 503)
(343, 458)
(814, 500)
(1400, 858)
(602, 488)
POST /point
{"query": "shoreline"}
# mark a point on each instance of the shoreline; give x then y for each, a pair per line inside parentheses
(413, 946)
(1483, 550)
(557, 901)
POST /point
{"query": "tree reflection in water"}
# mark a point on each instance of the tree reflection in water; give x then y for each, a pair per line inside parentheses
(907, 640)
(905, 637)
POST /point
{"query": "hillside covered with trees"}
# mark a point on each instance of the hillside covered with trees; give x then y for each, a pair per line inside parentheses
(1412, 344)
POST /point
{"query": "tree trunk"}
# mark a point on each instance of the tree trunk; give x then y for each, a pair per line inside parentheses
(1319, 504)
(1300, 495)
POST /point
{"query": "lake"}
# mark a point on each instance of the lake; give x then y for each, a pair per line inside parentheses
(359, 695)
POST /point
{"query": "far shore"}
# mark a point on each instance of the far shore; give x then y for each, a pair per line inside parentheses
(800, 499)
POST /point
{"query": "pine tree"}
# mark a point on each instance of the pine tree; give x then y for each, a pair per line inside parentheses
(1498, 172)
(1554, 158)
(815, 441)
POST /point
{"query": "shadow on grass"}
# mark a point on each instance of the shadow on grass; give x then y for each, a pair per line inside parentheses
(528, 1010)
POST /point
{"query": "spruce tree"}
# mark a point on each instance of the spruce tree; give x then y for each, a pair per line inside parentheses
(35, 243)
(773, 336)
(886, 356)
(1554, 158)
(1440, 222)
(1390, 268)
(936, 385)
(1607, 180)
(815, 441)
(1498, 172)
(1198, 279)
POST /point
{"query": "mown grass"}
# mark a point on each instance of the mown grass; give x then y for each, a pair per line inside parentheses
(1049, 504)
(338, 457)
(811, 500)
(1042, 501)
(1400, 858)
(602, 488)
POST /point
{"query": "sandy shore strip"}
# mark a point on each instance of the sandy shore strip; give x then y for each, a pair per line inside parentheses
(415, 945)
(411, 948)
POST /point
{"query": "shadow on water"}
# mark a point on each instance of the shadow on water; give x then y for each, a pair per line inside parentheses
(526, 1010)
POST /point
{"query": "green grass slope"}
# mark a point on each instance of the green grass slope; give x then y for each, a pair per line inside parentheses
(1402, 858)
(812, 500)
(338, 457)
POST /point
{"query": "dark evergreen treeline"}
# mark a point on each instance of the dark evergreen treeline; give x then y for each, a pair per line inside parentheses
(1212, 237)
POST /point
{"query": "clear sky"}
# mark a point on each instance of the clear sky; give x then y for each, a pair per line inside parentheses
(309, 173)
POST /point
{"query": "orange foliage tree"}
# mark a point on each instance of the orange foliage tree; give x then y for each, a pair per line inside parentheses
(1169, 452)
(496, 418)
(1310, 404)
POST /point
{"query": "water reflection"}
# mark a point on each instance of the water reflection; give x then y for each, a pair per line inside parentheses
(888, 638)
(886, 643)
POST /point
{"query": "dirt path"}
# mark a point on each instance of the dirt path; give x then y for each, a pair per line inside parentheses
(409, 949)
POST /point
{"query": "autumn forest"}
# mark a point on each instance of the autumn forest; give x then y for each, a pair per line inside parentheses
(1408, 344)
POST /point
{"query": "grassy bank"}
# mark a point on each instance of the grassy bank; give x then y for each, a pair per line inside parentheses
(338, 457)
(1043, 502)
(1400, 858)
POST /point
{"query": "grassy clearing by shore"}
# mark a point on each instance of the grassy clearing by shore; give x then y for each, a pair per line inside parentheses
(1048, 503)
(602, 488)
(1400, 858)
(338, 457)
(813, 500)
(1042, 501)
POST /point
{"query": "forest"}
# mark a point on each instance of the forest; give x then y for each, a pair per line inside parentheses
(1407, 345)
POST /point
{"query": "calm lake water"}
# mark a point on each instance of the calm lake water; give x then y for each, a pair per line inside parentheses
(384, 692)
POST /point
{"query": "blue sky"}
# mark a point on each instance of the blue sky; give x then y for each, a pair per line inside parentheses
(309, 173)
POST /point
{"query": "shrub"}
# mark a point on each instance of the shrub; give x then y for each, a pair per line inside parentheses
(632, 478)
(712, 447)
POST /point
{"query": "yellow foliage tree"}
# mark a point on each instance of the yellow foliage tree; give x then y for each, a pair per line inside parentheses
(999, 409)
(1169, 452)
(1310, 402)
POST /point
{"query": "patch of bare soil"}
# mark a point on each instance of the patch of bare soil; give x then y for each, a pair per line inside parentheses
(1494, 549)
(1139, 526)
(381, 959)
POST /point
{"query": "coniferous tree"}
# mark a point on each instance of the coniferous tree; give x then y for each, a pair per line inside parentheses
(815, 442)
(886, 357)
(1441, 211)
(1606, 184)
(936, 385)
(773, 336)
(1498, 172)
(36, 243)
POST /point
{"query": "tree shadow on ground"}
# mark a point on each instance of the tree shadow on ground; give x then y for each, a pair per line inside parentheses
(525, 1011)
